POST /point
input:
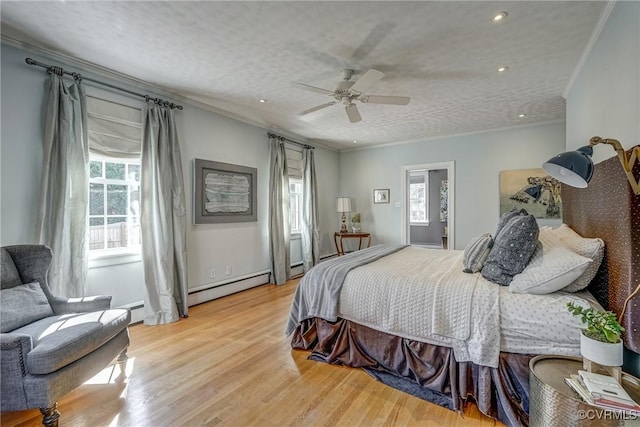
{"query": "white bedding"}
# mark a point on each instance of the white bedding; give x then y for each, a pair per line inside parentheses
(541, 324)
(422, 294)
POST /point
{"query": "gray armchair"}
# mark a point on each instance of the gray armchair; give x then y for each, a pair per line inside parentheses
(50, 345)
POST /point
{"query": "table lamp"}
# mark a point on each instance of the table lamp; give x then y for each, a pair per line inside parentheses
(343, 205)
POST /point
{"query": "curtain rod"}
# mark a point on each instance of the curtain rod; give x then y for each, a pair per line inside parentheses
(60, 71)
(282, 138)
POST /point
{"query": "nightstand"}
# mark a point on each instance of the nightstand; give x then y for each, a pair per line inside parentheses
(337, 239)
(553, 403)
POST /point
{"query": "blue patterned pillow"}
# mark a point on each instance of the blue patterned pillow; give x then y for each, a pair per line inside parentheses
(476, 253)
(512, 250)
(508, 216)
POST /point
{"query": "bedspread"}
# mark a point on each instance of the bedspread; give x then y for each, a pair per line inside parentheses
(317, 292)
(422, 294)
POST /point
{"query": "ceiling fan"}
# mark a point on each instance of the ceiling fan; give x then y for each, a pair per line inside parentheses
(346, 92)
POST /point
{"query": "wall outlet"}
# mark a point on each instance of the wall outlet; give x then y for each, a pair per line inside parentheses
(212, 273)
(228, 271)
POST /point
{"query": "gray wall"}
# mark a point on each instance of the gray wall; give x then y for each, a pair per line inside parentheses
(203, 134)
(605, 97)
(478, 160)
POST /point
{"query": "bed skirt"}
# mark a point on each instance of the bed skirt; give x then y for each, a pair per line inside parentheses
(501, 393)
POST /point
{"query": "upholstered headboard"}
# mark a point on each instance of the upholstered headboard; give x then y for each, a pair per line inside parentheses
(609, 209)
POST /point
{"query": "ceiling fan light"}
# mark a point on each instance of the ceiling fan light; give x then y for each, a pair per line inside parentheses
(500, 16)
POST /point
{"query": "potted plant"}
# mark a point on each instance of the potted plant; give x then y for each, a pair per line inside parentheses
(600, 341)
(355, 223)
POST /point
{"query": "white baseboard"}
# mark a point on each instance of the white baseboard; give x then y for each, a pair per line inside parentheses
(204, 295)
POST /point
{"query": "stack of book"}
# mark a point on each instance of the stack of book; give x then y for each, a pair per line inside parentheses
(603, 391)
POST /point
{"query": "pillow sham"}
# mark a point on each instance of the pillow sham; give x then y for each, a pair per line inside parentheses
(508, 216)
(23, 304)
(549, 270)
(476, 253)
(512, 249)
(592, 248)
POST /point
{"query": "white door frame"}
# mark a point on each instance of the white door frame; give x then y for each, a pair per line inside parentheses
(451, 175)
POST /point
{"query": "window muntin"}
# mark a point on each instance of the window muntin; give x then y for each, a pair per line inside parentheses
(114, 205)
(418, 198)
(295, 205)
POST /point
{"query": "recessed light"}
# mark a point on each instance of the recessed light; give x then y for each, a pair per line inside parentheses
(500, 16)
(262, 101)
(503, 69)
(355, 141)
(522, 115)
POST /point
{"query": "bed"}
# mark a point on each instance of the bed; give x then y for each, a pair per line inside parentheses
(463, 337)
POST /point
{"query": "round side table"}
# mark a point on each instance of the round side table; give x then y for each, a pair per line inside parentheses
(553, 403)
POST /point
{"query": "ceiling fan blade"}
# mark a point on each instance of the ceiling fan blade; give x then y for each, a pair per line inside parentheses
(367, 79)
(319, 107)
(392, 100)
(315, 89)
(353, 113)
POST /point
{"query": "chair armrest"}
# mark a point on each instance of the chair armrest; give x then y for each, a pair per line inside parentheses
(13, 352)
(80, 305)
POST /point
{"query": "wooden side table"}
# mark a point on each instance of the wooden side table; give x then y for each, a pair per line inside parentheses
(553, 403)
(337, 238)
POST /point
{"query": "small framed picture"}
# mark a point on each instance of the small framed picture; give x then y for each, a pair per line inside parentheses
(381, 195)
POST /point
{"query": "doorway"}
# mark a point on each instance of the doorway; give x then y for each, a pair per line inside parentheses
(428, 205)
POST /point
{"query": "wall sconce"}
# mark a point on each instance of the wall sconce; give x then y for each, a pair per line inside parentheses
(575, 168)
(343, 205)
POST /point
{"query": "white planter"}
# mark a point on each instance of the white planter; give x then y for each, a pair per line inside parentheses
(602, 353)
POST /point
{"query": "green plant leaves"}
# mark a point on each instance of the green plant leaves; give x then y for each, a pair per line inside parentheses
(602, 324)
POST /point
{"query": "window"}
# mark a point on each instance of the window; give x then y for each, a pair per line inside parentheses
(294, 165)
(419, 198)
(115, 139)
(295, 205)
(114, 204)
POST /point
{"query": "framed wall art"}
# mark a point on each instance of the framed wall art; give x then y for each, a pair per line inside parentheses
(381, 195)
(224, 192)
(531, 189)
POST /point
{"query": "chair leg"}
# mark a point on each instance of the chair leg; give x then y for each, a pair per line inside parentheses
(50, 415)
(122, 359)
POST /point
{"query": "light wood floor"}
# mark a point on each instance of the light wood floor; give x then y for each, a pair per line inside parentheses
(229, 364)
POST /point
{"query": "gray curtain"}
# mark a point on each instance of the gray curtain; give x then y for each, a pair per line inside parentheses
(310, 237)
(279, 229)
(163, 218)
(62, 216)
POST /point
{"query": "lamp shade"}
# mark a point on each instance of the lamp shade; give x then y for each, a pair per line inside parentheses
(574, 168)
(343, 204)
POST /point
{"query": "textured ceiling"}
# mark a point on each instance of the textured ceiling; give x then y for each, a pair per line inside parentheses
(444, 55)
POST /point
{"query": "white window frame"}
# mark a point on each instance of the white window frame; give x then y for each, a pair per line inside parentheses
(425, 175)
(128, 251)
(298, 196)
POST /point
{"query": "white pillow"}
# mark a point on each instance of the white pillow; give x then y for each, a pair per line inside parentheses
(549, 270)
(592, 248)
